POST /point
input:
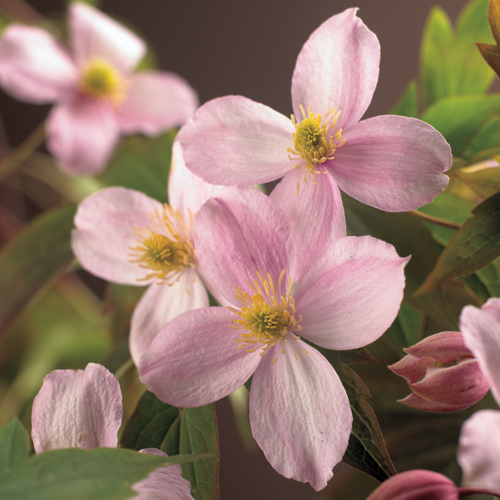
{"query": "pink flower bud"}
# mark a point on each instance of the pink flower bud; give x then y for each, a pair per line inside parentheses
(442, 373)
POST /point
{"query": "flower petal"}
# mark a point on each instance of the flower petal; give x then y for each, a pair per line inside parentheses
(104, 233)
(392, 162)
(156, 101)
(159, 305)
(77, 409)
(299, 413)
(481, 331)
(241, 231)
(93, 34)
(194, 359)
(337, 68)
(479, 450)
(81, 135)
(165, 483)
(351, 293)
(233, 140)
(416, 401)
(316, 214)
(34, 67)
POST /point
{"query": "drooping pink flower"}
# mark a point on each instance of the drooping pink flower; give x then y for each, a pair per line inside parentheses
(83, 409)
(348, 296)
(124, 236)
(442, 373)
(97, 96)
(390, 162)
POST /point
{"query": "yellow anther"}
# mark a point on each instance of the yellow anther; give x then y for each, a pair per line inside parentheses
(101, 80)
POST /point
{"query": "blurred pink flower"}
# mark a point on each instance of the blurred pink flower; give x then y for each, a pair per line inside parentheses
(348, 296)
(442, 373)
(124, 236)
(97, 97)
(83, 409)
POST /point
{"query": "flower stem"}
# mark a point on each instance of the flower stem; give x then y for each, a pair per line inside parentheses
(435, 220)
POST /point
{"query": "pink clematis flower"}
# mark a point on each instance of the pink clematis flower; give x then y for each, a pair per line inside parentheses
(348, 296)
(126, 237)
(390, 162)
(83, 409)
(97, 97)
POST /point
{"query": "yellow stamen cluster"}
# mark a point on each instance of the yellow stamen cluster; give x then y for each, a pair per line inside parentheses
(164, 248)
(101, 80)
(267, 317)
(312, 142)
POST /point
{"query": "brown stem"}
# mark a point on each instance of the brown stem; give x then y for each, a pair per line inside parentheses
(435, 220)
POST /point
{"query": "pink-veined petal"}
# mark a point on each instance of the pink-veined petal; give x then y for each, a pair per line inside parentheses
(81, 135)
(194, 359)
(104, 233)
(481, 331)
(479, 450)
(234, 140)
(316, 214)
(165, 483)
(351, 293)
(300, 414)
(241, 231)
(444, 346)
(34, 67)
(159, 305)
(393, 163)
(337, 68)
(95, 35)
(77, 409)
(187, 192)
(416, 401)
(156, 101)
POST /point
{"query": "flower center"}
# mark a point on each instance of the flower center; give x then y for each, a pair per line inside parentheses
(313, 143)
(266, 317)
(101, 79)
(164, 249)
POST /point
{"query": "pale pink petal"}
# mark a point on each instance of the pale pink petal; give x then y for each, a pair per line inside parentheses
(104, 233)
(165, 483)
(156, 101)
(81, 135)
(34, 67)
(481, 331)
(95, 35)
(415, 401)
(351, 293)
(187, 192)
(241, 231)
(316, 214)
(77, 409)
(393, 163)
(194, 360)
(444, 346)
(337, 68)
(479, 450)
(159, 305)
(300, 414)
(233, 140)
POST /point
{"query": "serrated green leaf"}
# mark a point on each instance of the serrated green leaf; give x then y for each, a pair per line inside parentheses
(14, 446)
(32, 260)
(475, 245)
(408, 103)
(405, 331)
(178, 430)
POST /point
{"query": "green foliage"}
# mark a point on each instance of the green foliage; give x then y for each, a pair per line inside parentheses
(405, 331)
(483, 180)
(491, 53)
(486, 138)
(178, 431)
(14, 446)
(408, 103)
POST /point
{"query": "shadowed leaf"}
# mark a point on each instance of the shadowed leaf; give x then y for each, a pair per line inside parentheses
(14, 446)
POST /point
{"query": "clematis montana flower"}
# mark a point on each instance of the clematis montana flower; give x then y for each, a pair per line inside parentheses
(83, 409)
(126, 237)
(97, 97)
(348, 296)
(390, 162)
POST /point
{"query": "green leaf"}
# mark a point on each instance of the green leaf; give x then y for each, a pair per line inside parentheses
(472, 247)
(459, 118)
(486, 138)
(350, 356)
(408, 103)
(483, 179)
(142, 163)
(178, 431)
(14, 445)
(406, 329)
(32, 260)
(366, 450)
(71, 474)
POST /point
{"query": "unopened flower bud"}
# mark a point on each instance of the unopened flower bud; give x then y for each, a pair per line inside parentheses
(442, 373)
